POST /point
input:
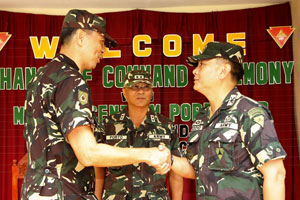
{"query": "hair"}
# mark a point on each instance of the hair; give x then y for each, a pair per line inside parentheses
(66, 34)
(236, 71)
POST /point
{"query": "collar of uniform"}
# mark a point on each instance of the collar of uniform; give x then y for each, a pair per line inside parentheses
(150, 116)
(123, 115)
(69, 61)
(231, 98)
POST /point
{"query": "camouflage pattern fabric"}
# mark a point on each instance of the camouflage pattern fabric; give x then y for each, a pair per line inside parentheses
(58, 99)
(231, 52)
(227, 150)
(137, 181)
(85, 20)
(137, 76)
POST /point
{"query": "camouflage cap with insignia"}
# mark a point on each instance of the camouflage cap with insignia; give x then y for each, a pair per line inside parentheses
(86, 20)
(137, 76)
(231, 52)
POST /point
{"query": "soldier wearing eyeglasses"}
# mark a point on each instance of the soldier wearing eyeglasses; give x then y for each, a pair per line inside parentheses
(138, 126)
(233, 150)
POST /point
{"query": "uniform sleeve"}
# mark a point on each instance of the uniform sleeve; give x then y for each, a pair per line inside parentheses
(175, 148)
(100, 131)
(192, 149)
(260, 138)
(73, 103)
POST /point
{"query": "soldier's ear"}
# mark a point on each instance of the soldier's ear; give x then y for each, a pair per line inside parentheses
(80, 36)
(224, 70)
(124, 93)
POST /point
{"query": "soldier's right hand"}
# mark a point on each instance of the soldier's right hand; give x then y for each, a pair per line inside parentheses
(160, 159)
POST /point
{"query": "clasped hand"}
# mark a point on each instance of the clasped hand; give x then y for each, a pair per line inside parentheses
(161, 159)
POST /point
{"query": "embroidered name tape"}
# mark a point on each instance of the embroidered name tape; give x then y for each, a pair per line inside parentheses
(159, 136)
(116, 137)
(227, 125)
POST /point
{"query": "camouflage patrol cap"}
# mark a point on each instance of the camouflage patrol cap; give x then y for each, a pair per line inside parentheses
(231, 52)
(86, 20)
(137, 76)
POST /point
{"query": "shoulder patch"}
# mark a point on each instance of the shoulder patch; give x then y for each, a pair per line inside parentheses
(259, 119)
(256, 111)
(258, 115)
(152, 118)
(83, 97)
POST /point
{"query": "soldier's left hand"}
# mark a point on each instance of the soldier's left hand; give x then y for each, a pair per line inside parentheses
(164, 167)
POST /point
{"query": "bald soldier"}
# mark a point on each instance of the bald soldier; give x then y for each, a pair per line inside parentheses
(138, 126)
(233, 151)
(59, 123)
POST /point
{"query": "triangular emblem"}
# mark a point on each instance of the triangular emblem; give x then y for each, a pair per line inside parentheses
(4, 37)
(220, 152)
(281, 34)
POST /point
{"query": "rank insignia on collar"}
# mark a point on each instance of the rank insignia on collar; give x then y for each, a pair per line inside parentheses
(83, 97)
(152, 118)
(122, 116)
(231, 100)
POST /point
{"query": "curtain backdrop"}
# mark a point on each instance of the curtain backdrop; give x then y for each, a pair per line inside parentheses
(160, 43)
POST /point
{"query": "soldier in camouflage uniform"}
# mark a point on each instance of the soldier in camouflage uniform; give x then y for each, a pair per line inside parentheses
(138, 126)
(62, 149)
(233, 146)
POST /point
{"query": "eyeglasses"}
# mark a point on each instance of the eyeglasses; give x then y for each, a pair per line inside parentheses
(135, 87)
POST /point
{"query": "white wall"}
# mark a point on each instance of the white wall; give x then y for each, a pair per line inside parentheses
(187, 9)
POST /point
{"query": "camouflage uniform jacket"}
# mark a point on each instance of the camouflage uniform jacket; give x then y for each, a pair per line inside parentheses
(227, 149)
(58, 99)
(137, 181)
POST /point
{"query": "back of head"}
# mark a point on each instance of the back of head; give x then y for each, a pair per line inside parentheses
(82, 19)
(231, 52)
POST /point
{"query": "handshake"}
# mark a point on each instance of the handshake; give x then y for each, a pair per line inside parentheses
(160, 159)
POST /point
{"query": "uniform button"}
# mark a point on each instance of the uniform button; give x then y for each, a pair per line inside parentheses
(190, 154)
(47, 171)
(278, 150)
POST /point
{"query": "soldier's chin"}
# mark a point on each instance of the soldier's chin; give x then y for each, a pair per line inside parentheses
(94, 67)
(196, 88)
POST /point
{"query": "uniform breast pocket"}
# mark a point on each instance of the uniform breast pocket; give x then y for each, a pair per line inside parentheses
(117, 140)
(221, 154)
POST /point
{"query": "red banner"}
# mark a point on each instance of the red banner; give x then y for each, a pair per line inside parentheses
(158, 42)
